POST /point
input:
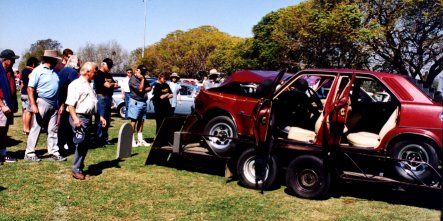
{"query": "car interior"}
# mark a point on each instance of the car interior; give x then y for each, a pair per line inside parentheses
(371, 110)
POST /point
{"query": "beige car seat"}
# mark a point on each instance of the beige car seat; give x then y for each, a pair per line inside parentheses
(300, 134)
(367, 139)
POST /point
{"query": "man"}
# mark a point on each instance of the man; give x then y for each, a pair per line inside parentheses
(81, 101)
(67, 53)
(104, 88)
(161, 95)
(43, 98)
(8, 100)
(31, 63)
(137, 103)
(68, 74)
(125, 89)
(175, 88)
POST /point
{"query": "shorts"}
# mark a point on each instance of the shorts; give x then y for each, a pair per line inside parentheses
(25, 103)
(136, 109)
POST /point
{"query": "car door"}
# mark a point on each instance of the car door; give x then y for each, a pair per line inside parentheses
(184, 105)
(336, 111)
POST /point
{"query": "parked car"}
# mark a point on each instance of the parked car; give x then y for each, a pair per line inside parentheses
(384, 131)
(188, 93)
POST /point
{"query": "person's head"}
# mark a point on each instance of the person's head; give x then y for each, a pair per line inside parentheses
(66, 54)
(129, 72)
(174, 77)
(32, 62)
(73, 62)
(142, 69)
(88, 70)
(213, 74)
(162, 78)
(8, 58)
(50, 57)
(106, 65)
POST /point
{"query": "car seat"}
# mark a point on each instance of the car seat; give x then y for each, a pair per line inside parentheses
(304, 135)
(367, 139)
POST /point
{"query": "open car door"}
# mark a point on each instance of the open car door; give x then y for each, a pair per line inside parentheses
(335, 113)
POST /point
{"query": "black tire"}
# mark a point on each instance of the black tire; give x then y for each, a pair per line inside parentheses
(221, 130)
(121, 110)
(307, 177)
(414, 150)
(246, 170)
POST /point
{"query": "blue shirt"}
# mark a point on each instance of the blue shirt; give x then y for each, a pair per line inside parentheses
(45, 82)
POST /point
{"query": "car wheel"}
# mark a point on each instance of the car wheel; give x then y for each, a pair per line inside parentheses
(307, 177)
(418, 156)
(221, 131)
(121, 110)
(248, 165)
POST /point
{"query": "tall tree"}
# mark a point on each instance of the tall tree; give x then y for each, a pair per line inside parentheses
(38, 48)
(406, 36)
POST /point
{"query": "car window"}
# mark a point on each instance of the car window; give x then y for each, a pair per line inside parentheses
(368, 91)
(185, 90)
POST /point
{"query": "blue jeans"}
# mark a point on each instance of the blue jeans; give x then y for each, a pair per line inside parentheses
(81, 149)
(126, 104)
(104, 110)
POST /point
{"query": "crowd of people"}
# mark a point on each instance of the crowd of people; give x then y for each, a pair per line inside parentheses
(58, 97)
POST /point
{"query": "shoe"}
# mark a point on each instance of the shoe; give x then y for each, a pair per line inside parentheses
(58, 158)
(78, 176)
(7, 159)
(143, 143)
(32, 158)
(135, 144)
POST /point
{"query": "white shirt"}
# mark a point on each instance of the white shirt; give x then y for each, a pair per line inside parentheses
(175, 88)
(125, 84)
(82, 96)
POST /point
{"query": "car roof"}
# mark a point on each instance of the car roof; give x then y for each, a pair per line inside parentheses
(250, 76)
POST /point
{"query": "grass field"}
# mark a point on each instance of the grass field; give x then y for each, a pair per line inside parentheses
(130, 190)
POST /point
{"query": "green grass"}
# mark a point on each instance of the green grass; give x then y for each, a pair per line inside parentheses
(129, 190)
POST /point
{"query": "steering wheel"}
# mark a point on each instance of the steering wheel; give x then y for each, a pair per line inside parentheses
(315, 98)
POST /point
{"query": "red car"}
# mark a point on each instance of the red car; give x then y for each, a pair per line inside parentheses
(389, 117)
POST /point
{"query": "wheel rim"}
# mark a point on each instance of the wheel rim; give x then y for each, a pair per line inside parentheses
(249, 171)
(417, 154)
(220, 135)
(308, 179)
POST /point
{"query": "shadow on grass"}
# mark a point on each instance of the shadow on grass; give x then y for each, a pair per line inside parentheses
(11, 142)
(20, 154)
(2, 188)
(97, 169)
(386, 193)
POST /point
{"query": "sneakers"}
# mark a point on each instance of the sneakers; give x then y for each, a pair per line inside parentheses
(78, 175)
(7, 159)
(58, 158)
(143, 143)
(32, 158)
(135, 144)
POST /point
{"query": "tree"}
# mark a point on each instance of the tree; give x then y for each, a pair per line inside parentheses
(110, 49)
(406, 36)
(190, 52)
(37, 50)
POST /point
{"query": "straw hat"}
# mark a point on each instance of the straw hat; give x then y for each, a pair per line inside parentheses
(51, 54)
(213, 72)
(174, 75)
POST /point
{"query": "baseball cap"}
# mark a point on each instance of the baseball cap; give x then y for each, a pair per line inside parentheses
(109, 62)
(8, 53)
(79, 135)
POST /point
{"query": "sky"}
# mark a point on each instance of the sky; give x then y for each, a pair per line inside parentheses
(74, 23)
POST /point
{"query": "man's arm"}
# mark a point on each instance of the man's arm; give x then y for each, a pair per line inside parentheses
(31, 98)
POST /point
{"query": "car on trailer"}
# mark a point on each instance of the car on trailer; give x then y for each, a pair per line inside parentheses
(319, 124)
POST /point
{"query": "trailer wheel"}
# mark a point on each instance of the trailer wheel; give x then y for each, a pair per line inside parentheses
(419, 151)
(306, 177)
(246, 170)
(221, 130)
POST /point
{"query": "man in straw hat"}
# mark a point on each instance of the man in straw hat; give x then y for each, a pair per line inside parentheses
(43, 88)
(175, 88)
(8, 100)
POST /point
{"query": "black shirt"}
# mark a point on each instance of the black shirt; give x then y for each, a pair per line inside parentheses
(160, 89)
(99, 80)
(134, 83)
(25, 78)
